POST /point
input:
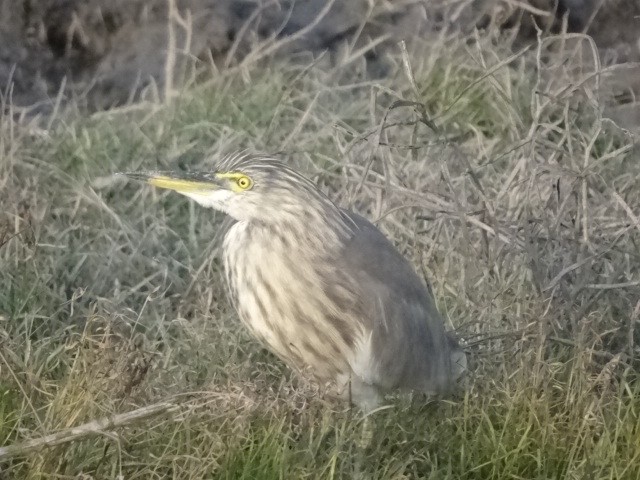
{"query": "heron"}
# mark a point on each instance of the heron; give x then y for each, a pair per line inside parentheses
(321, 286)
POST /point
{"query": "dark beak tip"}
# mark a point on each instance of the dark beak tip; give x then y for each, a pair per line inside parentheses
(134, 175)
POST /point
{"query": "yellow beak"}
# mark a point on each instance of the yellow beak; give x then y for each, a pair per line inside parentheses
(182, 182)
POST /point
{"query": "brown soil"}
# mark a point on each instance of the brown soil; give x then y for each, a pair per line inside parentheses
(104, 51)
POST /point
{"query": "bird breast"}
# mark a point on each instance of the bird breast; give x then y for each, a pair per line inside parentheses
(279, 287)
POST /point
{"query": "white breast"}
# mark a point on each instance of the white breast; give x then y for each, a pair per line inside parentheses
(282, 302)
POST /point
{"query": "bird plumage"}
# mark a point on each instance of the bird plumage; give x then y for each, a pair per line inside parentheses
(323, 288)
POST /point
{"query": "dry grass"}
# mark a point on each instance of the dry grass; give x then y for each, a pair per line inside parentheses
(522, 209)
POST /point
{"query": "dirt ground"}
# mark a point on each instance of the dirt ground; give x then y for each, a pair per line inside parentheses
(105, 51)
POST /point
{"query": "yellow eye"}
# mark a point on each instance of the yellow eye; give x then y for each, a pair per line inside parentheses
(244, 183)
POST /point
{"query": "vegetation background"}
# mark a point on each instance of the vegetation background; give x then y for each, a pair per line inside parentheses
(492, 163)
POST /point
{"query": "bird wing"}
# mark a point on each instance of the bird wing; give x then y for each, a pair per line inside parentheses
(404, 342)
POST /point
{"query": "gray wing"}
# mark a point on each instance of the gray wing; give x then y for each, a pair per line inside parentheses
(410, 346)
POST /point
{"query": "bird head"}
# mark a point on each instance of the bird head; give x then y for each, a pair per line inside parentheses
(248, 187)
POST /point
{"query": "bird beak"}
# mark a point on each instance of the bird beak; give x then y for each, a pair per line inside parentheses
(181, 182)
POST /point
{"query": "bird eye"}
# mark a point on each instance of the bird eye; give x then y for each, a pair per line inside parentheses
(244, 183)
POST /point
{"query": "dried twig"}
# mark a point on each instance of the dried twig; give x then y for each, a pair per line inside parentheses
(89, 429)
(269, 49)
(632, 216)
(185, 22)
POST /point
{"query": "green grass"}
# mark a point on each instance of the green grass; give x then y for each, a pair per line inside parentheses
(111, 296)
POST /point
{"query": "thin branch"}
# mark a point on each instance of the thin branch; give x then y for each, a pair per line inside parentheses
(89, 429)
(259, 54)
(625, 206)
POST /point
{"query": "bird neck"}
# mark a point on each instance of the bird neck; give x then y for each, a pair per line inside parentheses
(310, 229)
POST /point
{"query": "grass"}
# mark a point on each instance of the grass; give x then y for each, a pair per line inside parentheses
(522, 210)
